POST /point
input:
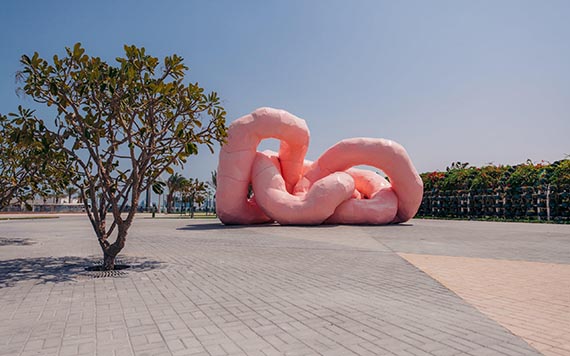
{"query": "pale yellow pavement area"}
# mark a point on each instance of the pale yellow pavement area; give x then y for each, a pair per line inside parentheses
(531, 299)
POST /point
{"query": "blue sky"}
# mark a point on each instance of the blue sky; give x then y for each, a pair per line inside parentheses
(471, 81)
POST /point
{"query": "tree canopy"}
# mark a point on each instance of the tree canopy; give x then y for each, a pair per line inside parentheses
(120, 126)
(28, 166)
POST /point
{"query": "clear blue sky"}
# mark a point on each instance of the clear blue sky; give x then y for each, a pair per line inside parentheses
(471, 81)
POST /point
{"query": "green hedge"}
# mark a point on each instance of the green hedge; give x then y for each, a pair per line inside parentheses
(526, 191)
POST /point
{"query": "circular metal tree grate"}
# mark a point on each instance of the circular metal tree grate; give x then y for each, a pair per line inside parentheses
(97, 271)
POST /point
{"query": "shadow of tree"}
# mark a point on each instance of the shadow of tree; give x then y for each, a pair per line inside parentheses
(59, 269)
(5, 241)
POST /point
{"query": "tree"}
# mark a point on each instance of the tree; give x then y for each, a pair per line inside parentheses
(214, 179)
(27, 164)
(194, 191)
(175, 183)
(57, 196)
(121, 126)
(70, 191)
(214, 186)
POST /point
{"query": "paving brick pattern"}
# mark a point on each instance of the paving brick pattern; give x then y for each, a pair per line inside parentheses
(548, 243)
(533, 303)
(204, 289)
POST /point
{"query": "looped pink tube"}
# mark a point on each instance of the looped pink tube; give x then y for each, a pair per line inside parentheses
(386, 155)
(376, 202)
(290, 190)
(239, 152)
(312, 208)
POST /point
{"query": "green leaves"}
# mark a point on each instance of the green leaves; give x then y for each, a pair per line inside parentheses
(120, 125)
(28, 163)
(78, 50)
(529, 174)
(158, 187)
(191, 148)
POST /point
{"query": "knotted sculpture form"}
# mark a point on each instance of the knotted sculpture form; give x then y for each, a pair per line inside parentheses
(291, 190)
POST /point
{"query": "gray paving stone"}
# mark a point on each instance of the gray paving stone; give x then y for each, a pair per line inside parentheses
(515, 241)
(198, 288)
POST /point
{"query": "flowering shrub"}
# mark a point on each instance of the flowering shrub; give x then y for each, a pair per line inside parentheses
(528, 191)
(459, 176)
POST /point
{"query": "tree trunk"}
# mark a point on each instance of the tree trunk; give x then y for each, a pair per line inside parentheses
(110, 251)
(108, 262)
(169, 197)
(148, 199)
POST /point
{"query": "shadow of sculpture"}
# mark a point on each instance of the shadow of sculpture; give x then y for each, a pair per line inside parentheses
(59, 269)
(220, 226)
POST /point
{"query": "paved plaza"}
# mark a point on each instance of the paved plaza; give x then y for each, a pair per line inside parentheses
(197, 287)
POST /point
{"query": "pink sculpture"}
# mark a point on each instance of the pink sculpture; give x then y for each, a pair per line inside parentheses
(291, 190)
